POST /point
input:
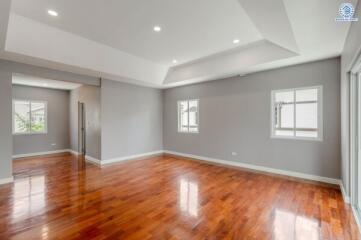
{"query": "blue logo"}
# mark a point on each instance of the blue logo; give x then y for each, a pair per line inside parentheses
(346, 12)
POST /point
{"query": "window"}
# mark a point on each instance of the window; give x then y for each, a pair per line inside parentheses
(188, 117)
(297, 113)
(29, 117)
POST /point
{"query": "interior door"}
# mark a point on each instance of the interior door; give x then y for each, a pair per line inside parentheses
(81, 129)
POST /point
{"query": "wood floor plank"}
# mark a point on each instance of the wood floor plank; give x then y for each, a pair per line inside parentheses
(165, 197)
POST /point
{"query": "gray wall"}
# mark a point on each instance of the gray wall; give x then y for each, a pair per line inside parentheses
(5, 126)
(235, 117)
(90, 95)
(131, 119)
(58, 121)
(351, 49)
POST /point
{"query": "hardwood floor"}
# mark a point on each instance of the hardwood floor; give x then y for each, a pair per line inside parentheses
(62, 197)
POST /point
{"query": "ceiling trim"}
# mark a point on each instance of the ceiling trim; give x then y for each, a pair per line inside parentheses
(31, 81)
(228, 63)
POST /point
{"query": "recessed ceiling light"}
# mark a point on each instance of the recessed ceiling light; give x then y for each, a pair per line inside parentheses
(175, 61)
(157, 28)
(235, 41)
(52, 13)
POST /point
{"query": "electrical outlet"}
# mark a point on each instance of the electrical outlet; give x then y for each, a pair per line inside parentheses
(234, 154)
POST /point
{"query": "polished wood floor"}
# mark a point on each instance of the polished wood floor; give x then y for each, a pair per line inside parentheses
(62, 197)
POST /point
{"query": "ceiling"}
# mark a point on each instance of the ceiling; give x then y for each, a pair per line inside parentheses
(20, 79)
(115, 39)
(190, 29)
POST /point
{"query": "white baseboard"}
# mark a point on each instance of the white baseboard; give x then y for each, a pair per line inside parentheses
(132, 157)
(39, 153)
(356, 217)
(89, 158)
(259, 168)
(346, 198)
(73, 152)
(207, 159)
(92, 160)
(6, 180)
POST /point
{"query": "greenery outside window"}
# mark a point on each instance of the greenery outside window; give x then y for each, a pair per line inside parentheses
(29, 117)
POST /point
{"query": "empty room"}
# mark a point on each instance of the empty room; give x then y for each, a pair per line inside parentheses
(154, 119)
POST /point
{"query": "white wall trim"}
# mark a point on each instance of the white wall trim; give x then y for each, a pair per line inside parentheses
(207, 159)
(93, 160)
(356, 217)
(346, 198)
(89, 158)
(260, 168)
(73, 152)
(132, 157)
(6, 180)
(15, 157)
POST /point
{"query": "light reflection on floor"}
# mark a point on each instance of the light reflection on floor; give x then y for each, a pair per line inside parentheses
(45, 232)
(189, 197)
(288, 225)
(29, 197)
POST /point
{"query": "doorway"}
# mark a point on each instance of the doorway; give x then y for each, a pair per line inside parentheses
(81, 128)
(355, 140)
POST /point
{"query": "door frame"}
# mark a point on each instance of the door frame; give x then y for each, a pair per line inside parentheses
(354, 81)
(354, 112)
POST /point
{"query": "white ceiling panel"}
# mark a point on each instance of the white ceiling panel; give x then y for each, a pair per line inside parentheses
(190, 29)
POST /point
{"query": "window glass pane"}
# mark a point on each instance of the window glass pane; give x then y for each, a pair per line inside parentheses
(21, 117)
(306, 95)
(306, 115)
(284, 96)
(284, 113)
(286, 116)
(193, 116)
(183, 116)
(38, 117)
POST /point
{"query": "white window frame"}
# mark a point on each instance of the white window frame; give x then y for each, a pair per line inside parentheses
(30, 132)
(319, 114)
(178, 116)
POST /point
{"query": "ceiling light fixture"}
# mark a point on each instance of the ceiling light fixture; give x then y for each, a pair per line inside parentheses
(157, 28)
(52, 13)
(235, 41)
(175, 61)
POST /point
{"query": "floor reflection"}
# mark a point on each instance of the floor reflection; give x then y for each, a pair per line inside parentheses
(189, 197)
(288, 226)
(29, 197)
(44, 232)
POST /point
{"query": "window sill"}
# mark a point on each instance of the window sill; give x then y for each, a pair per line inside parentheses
(297, 138)
(38, 133)
(188, 132)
